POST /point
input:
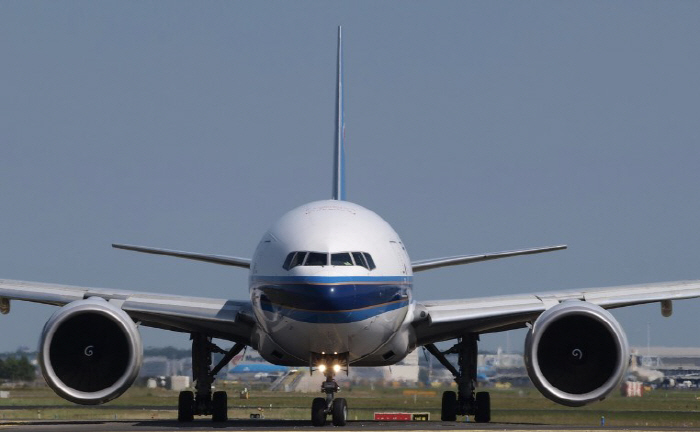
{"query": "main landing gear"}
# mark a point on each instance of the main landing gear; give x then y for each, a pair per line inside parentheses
(202, 401)
(336, 407)
(465, 401)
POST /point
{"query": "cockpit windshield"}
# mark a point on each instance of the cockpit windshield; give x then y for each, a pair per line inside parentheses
(341, 259)
(316, 259)
(306, 258)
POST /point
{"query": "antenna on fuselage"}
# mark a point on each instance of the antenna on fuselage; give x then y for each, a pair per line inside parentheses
(339, 159)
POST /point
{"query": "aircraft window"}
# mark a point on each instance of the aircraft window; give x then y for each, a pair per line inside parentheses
(316, 259)
(360, 259)
(341, 259)
(370, 261)
(288, 261)
(298, 259)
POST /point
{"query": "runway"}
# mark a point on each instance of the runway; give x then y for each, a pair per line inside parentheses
(292, 425)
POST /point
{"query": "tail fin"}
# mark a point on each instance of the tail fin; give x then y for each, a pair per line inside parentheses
(339, 160)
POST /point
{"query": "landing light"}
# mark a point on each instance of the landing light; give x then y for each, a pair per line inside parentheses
(322, 368)
(336, 368)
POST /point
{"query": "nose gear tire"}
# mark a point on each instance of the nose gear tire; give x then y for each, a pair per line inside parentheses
(318, 412)
(340, 412)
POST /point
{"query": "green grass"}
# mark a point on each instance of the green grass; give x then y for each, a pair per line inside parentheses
(658, 408)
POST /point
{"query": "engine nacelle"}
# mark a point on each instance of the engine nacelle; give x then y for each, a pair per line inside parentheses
(90, 351)
(576, 353)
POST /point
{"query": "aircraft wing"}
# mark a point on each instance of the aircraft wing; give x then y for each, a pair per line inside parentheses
(446, 319)
(226, 319)
(428, 264)
(215, 259)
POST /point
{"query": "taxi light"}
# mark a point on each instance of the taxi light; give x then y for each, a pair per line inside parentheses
(322, 368)
(336, 368)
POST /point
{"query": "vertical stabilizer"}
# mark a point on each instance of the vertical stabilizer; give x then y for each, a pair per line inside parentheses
(339, 159)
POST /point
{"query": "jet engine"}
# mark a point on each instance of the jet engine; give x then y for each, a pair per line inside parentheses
(576, 353)
(90, 351)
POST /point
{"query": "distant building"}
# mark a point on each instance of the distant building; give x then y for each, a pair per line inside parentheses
(669, 360)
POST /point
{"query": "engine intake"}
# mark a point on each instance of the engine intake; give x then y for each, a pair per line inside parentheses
(576, 353)
(90, 351)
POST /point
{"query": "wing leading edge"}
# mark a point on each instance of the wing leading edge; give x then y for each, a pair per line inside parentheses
(447, 319)
(221, 318)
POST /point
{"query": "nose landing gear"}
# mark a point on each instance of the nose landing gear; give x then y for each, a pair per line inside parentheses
(337, 408)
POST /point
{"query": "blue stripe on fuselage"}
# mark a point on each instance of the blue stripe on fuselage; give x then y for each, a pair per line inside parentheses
(322, 299)
(333, 317)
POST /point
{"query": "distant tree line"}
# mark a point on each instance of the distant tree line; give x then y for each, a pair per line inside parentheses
(17, 369)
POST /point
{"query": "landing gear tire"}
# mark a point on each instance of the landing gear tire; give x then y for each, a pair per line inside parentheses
(483, 407)
(185, 406)
(219, 407)
(449, 406)
(340, 412)
(318, 412)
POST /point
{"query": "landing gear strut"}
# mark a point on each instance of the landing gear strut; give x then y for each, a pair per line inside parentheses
(465, 401)
(202, 402)
(336, 407)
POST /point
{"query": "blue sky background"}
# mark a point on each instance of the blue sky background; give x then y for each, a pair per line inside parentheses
(471, 127)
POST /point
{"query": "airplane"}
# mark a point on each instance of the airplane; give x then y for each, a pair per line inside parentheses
(639, 372)
(331, 287)
(259, 369)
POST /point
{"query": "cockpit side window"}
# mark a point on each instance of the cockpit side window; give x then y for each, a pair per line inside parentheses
(297, 260)
(288, 261)
(316, 259)
(341, 259)
(360, 259)
(370, 261)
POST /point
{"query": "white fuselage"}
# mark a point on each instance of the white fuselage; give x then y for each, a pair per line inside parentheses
(332, 276)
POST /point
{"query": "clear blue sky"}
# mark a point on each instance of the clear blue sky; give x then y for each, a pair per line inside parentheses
(471, 127)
